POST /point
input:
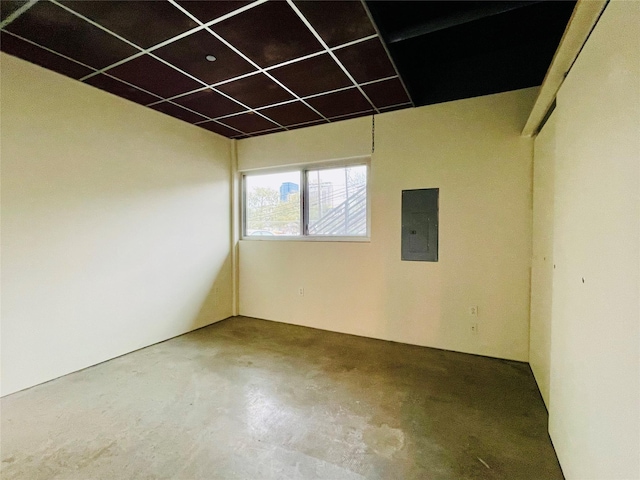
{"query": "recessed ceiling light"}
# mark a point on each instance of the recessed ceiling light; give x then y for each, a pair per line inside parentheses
(210, 58)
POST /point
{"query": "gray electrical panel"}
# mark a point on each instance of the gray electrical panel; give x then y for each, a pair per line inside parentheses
(420, 225)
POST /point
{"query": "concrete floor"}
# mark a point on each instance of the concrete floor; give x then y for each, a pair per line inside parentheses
(253, 399)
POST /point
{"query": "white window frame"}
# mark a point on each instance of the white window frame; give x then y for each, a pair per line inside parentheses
(302, 170)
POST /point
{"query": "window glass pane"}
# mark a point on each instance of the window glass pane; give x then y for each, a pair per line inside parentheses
(338, 201)
(272, 205)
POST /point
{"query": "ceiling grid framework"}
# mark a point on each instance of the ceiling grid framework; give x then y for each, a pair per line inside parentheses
(170, 108)
(242, 68)
(278, 65)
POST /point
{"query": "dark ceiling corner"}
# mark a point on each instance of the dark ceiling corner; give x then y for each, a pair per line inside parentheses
(447, 50)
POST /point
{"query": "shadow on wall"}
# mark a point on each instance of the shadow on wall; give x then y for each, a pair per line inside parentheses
(103, 259)
(217, 304)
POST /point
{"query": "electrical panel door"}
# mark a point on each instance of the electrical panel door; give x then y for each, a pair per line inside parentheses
(420, 225)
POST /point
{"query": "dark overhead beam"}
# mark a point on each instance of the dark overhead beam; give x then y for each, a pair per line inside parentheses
(478, 11)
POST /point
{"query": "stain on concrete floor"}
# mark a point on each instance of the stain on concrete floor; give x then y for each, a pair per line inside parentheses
(252, 399)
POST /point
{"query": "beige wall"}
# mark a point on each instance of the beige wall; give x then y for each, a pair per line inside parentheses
(542, 258)
(594, 393)
(115, 226)
(472, 151)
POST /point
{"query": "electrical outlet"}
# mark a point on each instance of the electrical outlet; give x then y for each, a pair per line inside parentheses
(474, 328)
(301, 291)
(473, 310)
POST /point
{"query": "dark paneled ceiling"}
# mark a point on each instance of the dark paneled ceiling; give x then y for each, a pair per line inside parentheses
(242, 68)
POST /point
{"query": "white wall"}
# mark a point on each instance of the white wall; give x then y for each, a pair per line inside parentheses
(472, 151)
(542, 258)
(594, 393)
(115, 226)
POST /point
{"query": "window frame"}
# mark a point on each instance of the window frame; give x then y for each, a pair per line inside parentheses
(302, 170)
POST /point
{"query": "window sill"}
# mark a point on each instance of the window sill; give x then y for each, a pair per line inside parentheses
(308, 238)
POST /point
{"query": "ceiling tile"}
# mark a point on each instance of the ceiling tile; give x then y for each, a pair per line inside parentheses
(53, 27)
(342, 22)
(7, 7)
(249, 122)
(154, 76)
(141, 22)
(206, 10)
(14, 46)
(313, 75)
(269, 34)
(291, 113)
(386, 93)
(111, 85)
(178, 112)
(189, 54)
(256, 91)
(219, 129)
(340, 103)
(366, 61)
(209, 103)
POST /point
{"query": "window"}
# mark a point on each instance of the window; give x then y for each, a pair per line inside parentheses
(318, 201)
(272, 204)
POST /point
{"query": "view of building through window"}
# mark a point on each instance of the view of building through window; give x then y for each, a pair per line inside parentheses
(272, 204)
(336, 202)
